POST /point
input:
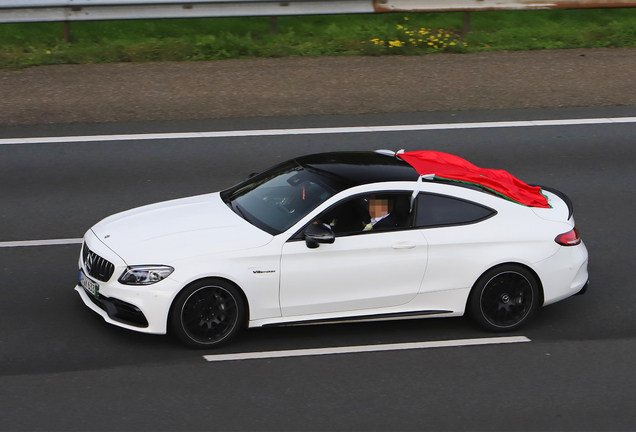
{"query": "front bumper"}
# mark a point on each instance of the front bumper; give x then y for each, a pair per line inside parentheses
(139, 308)
(117, 310)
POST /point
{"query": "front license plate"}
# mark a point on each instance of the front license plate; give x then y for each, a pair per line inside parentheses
(90, 286)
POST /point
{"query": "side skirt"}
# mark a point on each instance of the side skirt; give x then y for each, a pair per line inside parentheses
(379, 317)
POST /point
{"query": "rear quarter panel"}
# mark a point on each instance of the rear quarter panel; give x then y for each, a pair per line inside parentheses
(459, 255)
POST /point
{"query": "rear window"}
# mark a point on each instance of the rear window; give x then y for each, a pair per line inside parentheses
(441, 210)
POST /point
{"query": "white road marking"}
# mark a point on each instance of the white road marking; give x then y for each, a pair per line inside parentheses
(313, 131)
(40, 242)
(365, 348)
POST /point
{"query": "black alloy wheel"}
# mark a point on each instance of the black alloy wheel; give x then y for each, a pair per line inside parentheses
(207, 313)
(504, 298)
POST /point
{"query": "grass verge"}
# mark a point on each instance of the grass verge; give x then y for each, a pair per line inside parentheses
(24, 45)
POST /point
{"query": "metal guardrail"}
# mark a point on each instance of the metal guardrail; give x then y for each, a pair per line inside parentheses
(15, 11)
(100, 10)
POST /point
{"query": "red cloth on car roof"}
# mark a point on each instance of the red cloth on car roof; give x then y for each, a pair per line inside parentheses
(446, 166)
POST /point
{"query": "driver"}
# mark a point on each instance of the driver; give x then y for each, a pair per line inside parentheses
(380, 208)
(361, 214)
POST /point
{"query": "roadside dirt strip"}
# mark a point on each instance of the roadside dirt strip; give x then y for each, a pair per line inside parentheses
(314, 86)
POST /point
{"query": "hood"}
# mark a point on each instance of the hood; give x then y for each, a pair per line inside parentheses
(179, 229)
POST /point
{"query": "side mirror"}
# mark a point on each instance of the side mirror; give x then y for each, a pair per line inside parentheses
(318, 233)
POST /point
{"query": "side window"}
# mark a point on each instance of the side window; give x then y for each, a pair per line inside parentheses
(439, 210)
(369, 213)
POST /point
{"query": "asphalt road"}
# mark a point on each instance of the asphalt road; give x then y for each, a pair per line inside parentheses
(63, 368)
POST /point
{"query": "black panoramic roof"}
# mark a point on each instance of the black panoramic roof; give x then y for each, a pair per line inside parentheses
(357, 168)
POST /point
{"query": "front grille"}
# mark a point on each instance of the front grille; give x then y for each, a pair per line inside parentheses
(96, 266)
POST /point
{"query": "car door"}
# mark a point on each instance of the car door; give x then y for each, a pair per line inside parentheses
(379, 268)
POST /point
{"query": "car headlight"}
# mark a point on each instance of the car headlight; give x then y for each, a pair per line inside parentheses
(145, 275)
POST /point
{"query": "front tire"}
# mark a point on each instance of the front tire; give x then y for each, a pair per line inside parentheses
(207, 313)
(504, 298)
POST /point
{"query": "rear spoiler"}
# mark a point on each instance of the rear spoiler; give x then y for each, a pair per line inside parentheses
(561, 195)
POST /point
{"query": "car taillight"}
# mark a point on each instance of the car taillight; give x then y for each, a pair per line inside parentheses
(570, 238)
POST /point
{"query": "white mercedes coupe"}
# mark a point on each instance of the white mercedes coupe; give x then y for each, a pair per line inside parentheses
(347, 236)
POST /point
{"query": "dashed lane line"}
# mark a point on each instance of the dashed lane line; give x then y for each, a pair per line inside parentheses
(365, 348)
(52, 242)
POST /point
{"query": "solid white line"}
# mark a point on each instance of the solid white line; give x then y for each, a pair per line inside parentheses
(40, 242)
(365, 348)
(314, 131)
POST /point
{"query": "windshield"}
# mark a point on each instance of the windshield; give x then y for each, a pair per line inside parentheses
(276, 199)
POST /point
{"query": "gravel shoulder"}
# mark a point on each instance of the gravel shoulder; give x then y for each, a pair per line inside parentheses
(317, 86)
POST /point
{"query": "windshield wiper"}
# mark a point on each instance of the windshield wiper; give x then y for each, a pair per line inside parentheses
(238, 209)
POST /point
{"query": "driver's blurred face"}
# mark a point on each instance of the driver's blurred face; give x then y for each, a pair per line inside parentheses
(378, 207)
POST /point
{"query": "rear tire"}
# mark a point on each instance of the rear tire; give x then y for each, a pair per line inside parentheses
(504, 298)
(207, 313)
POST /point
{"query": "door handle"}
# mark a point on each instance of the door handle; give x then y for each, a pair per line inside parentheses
(404, 245)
